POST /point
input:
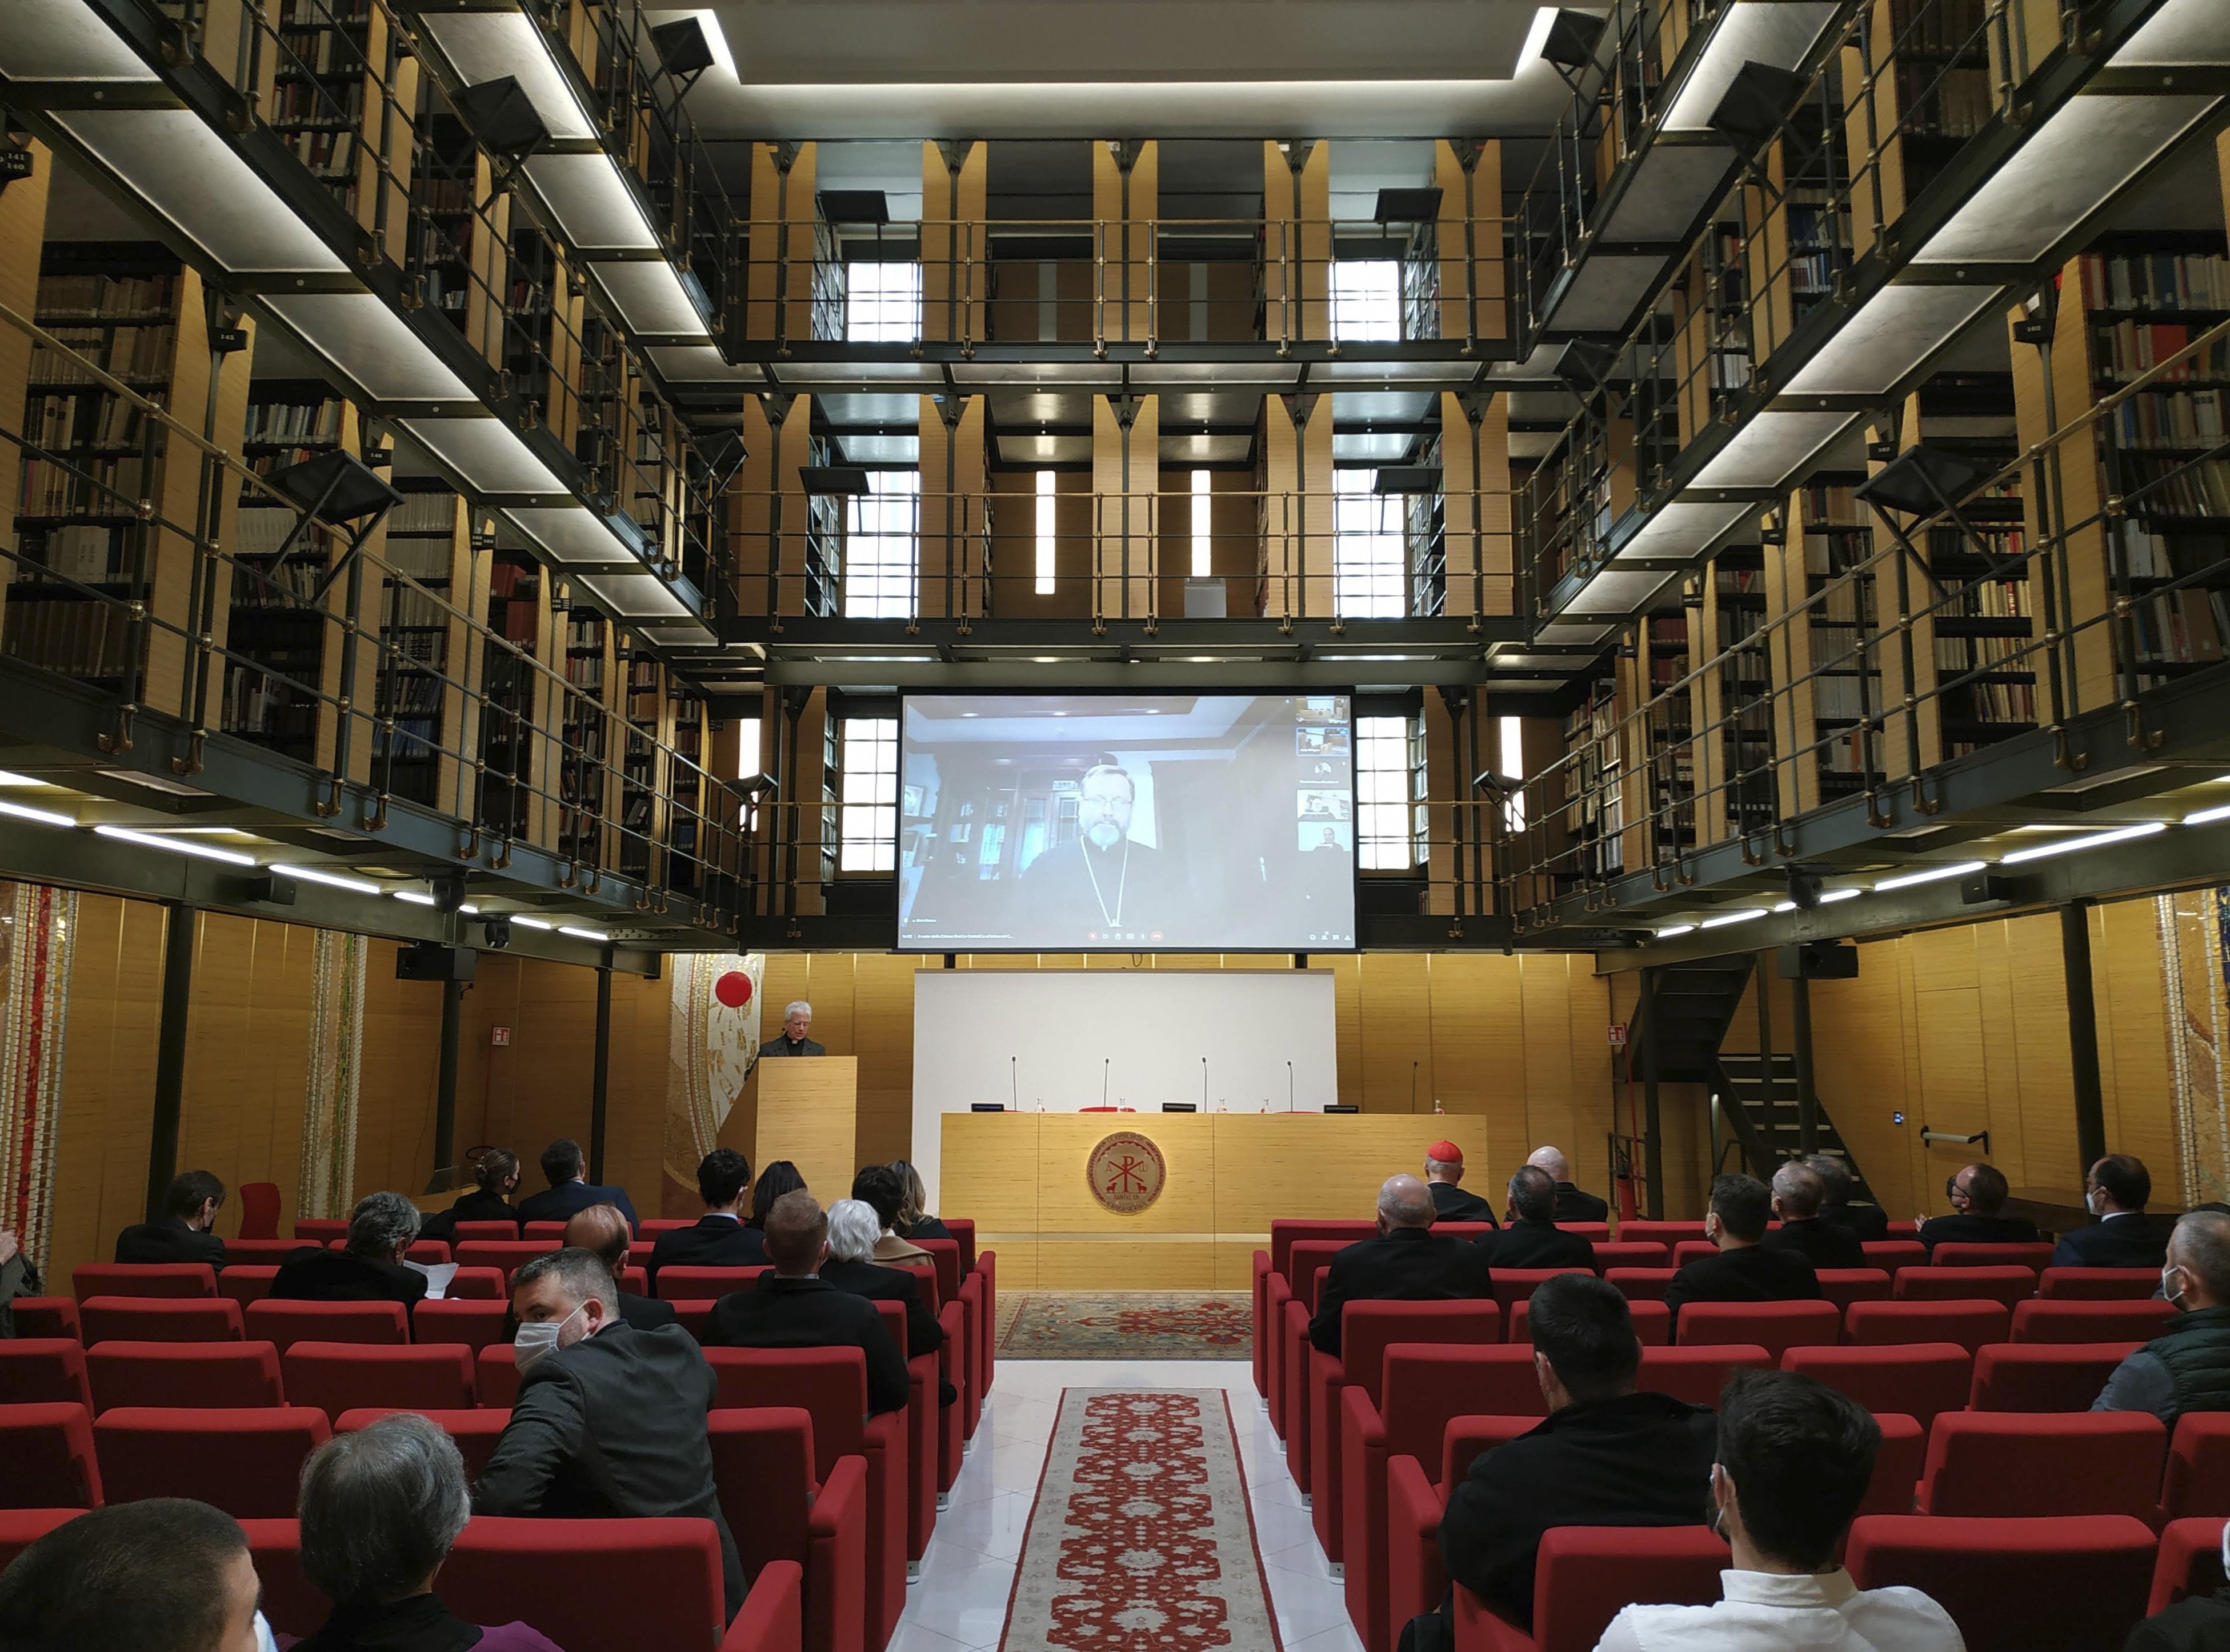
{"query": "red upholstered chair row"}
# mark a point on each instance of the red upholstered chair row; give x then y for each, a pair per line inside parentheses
(1585, 1574)
(679, 1284)
(2074, 1584)
(128, 1279)
(159, 1319)
(247, 1462)
(2035, 1258)
(48, 1451)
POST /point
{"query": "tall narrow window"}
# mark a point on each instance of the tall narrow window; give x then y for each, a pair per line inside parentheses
(867, 818)
(882, 303)
(1366, 299)
(1510, 764)
(1388, 763)
(881, 546)
(1369, 560)
(1204, 529)
(1045, 532)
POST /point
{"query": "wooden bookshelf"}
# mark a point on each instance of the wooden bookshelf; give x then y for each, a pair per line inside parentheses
(426, 667)
(588, 788)
(1931, 91)
(644, 722)
(1827, 703)
(22, 228)
(1733, 761)
(1603, 844)
(345, 88)
(460, 251)
(515, 748)
(543, 345)
(1662, 788)
(688, 791)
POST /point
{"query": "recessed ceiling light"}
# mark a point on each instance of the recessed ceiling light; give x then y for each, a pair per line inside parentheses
(531, 923)
(44, 817)
(1932, 875)
(332, 880)
(1828, 897)
(1743, 917)
(416, 898)
(7, 777)
(2200, 819)
(175, 845)
(582, 934)
(2094, 840)
(1676, 929)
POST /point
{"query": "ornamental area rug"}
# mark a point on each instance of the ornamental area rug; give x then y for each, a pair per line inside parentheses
(1124, 1325)
(1141, 1539)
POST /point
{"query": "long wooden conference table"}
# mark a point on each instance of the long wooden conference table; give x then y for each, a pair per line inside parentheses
(1028, 1180)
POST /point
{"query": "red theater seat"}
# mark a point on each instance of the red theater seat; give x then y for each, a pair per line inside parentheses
(1953, 1254)
(259, 1212)
(654, 1226)
(920, 1422)
(1844, 1286)
(1584, 1576)
(477, 1285)
(1634, 1253)
(778, 1509)
(475, 1430)
(159, 1319)
(495, 1371)
(47, 1316)
(247, 1282)
(1918, 1378)
(1415, 1580)
(43, 1371)
(49, 1455)
(706, 1284)
(1663, 1233)
(658, 1580)
(1514, 1285)
(505, 1256)
(1690, 1250)
(258, 1253)
(2198, 1481)
(1642, 1284)
(1773, 1326)
(2011, 1286)
(1969, 1324)
(2190, 1562)
(338, 1377)
(321, 1230)
(500, 1232)
(132, 1278)
(287, 1323)
(1890, 1254)
(1698, 1373)
(2069, 1584)
(543, 1231)
(1898, 1464)
(2000, 1464)
(428, 1252)
(2043, 1376)
(248, 1462)
(206, 1374)
(21, 1527)
(474, 1324)
(2080, 1322)
(2099, 1284)
(1652, 1323)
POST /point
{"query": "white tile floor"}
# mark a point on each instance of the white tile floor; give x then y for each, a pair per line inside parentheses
(960, 1603)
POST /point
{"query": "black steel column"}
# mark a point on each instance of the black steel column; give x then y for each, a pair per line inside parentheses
(2083, 1035)
(178, 931)
(1653, 1150)
(599, 1084)
(445, 1086)
(1807, 1097)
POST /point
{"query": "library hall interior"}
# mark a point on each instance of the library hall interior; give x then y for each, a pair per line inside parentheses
(1108, 826)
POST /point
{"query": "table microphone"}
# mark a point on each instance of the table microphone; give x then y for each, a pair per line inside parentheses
(1014, 1084)
(1105, 1063)
(1413, 1086)
(1204, 1084)
(1289, 1086)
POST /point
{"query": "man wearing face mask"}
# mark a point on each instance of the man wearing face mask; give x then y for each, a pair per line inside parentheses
(609, 1420)
(2187, 1368)
(162, 1574)
(1102, 883)
(2124, 1237)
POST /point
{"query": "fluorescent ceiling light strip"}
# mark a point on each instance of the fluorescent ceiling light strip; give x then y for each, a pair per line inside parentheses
(1677, 929)
(9, 777)
(332, 880)
(1784, 906)
(1726, 917)
(2200, 819)
(582, 934)
(44, 817)
(1933, 874)
(413, 896)
(531, 923)
(175, 845)
(469, 910)
(1828, 897)
(2094, 840)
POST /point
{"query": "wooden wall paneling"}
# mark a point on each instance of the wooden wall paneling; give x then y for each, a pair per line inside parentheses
(778, 291)
(2133, 1051)
(991, 1173)
(1347, 1029)
(882, 1038)
(953, 251)
(1475, 459)
(2004, 1079)
(248, 1045)
(401, 1069)
(951, 525)
(1297, 243)
(2039, 1026)
(1125, 471)
(1396, 1028)
(109, 1080)
(1550, 1074)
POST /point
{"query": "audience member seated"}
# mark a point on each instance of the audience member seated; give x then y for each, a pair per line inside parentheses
(718, 1239)
(495, 1179)
(1869, 1222)
(880, 1186)
(1608, 1455)
(189, 1208)
(2124, 1237)
(163, 1574)
(1978, 1194)
(18, 1278)
(379, 1510)
(1407, 1263)
(368, 1268)
(2187, 1367)
(609, 1421)
(569, 1190)
(780, 1176)
(1572, 1205)
(914, 1221)
(1795, 1458)
(1745, 1270)
(2195, 1624)
(853, 1230)
(794, 1308)
(1444, 1169)
(1533, 1239)
(602, 1229)
(1797, 1195)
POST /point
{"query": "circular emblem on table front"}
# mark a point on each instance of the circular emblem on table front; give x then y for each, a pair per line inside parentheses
(1127, 1172)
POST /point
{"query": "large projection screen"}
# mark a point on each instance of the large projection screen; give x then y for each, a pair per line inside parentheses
(1126, 822)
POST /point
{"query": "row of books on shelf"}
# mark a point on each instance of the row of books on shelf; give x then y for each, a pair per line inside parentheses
(1938, 103)
(1844, 601)
(263, 528)
(2126, 350)
(584, 629)
(111, 487)
(311, 103)
(1958, 656)
(122, 353)
(2174, 487)
(426, 648)
(312, 48)
(1846, 696)
(85, 552)
(328, 153)
(411, 608)
(2168, 419)
(517, 622)
(318, 421)
(1988, 599)
(2004, 541)
(258, 702)
(407, 692)
(56, 423)
(291, 586)
(423, 513)
(2160, 281)
(68, 298)
(77, 638)
(2181, 627)
(1935, 25)
(1830, 505)
(424, 560)
(1993, 702)
(2146, 555)
(585, 672)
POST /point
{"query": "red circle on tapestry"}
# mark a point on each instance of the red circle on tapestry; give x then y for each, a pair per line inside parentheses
(733, 988)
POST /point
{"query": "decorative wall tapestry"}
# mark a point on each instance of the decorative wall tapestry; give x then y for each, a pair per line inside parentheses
(713, 1039)
(35, 961)
(327, 1186)
(2194, 928)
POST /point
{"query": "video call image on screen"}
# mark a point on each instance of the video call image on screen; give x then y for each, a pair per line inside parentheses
(1205, 822)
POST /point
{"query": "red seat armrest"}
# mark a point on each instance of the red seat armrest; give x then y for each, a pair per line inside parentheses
(771, 1619)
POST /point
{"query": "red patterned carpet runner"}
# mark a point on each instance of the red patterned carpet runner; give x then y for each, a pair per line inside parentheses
(1123, 1324)
(1141, 1539)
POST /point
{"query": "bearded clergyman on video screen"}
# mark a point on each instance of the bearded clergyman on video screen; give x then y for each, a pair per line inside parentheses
(1103, 885)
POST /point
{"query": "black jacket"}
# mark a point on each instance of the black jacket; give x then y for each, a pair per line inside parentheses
(475, 1206)
(1869, 1222)
(562, 1202)
(812, 1314)
(1821, 1242)
(168, 1241)
(613, 1427)
(1639, 1459)
(1972, 1230)
(928, 1228)
(781, 1045)
(2195, 1624)
(1752, 1274)
(418, 1623)
(1530, 1244)
(878, 1283)
(2118, 1241)
(343, 1276)
(1572, 1205)
(713, 1242)
(1454, 1205)
(647, 1312)
(1408, 1265)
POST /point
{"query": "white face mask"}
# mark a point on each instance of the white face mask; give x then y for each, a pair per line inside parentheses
(265, 1641)
(2091, 1201)
(536, 1338)
(2174, 1298)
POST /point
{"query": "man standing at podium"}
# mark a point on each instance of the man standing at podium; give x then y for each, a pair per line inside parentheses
(796, 1017)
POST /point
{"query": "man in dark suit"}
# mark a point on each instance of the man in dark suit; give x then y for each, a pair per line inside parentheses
(1869, 1222)
(1407, 1263)
(2124, 1237)
(189, 1208)
(602, 1229)
(1797, 1191)
(1978, 1193)
(1444, 1170)
(1745, 1270)
(1572, 1205)
(794, 1308)
(1608, 1455)
(368, 1268)
(796, 1021)
(853, 1227)
(1533, 1239)
(563, 1163)
(609, 1421)
(718, 1239)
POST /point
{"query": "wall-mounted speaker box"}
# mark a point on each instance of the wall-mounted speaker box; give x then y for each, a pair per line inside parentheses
(429, 961)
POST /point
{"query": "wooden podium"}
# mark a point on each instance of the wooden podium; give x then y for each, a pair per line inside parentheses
(809, 1114)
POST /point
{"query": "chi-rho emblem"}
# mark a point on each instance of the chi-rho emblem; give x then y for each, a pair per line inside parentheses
(1127, 1172)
